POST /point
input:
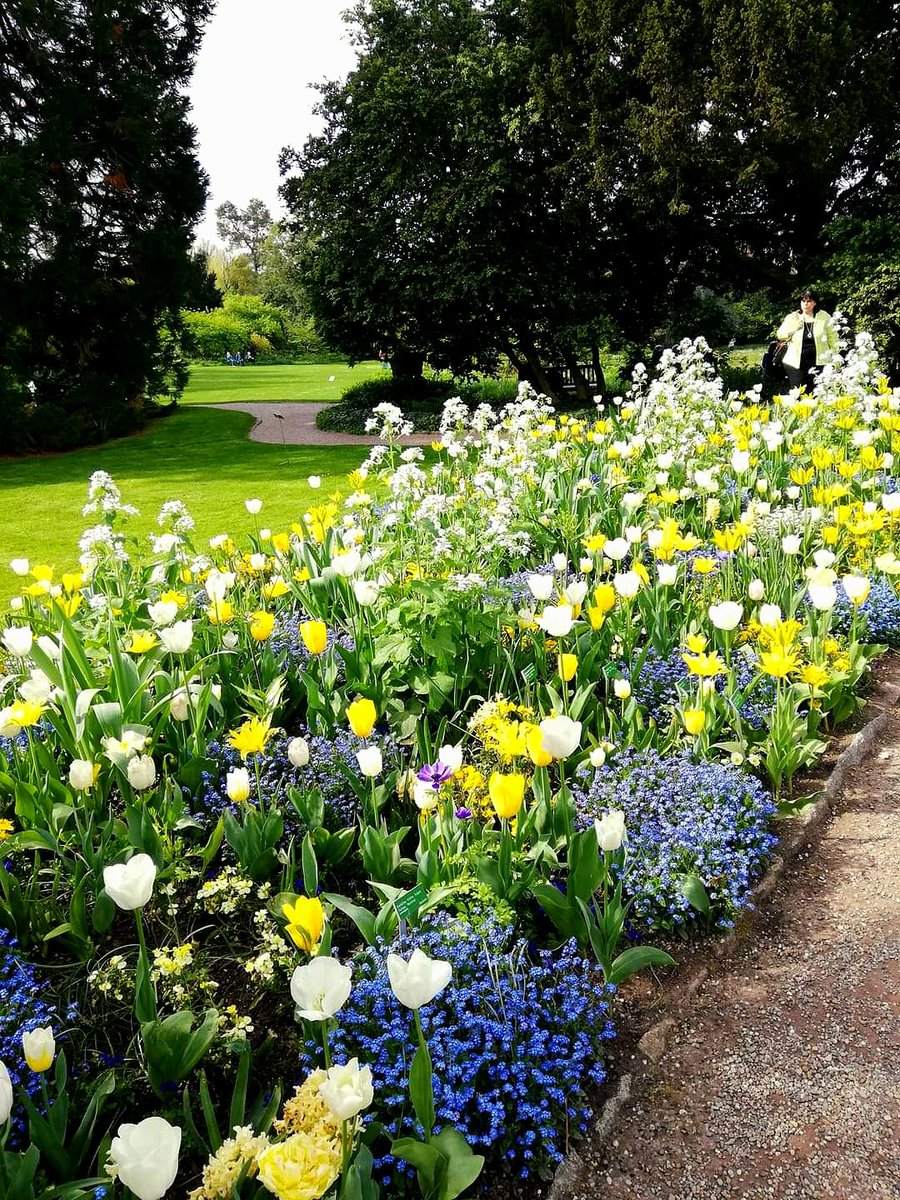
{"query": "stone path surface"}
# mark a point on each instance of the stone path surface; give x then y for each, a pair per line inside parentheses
(783, 1079)
(294, 424)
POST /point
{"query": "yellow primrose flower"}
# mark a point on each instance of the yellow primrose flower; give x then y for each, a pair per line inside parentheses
(705, 665)
(507, 793)
(777, 663)
(361, 716)
(694, 720)
(306, 920)
(142, 640)
(815, 675)
(220, 612)
(251, 737)
(261, 625)
(314, 635)
(302, 1167)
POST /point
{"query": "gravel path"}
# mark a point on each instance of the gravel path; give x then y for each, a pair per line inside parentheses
(783, 1082)
(294, 424)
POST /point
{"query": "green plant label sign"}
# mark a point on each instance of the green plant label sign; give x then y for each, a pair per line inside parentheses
(409, 904)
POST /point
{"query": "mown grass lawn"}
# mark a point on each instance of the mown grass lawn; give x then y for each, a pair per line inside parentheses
(196, 455)
(304, 381)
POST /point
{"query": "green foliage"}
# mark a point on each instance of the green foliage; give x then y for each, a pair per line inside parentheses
(248, 228)
(420, 399)
(101, 189)
(248, 321)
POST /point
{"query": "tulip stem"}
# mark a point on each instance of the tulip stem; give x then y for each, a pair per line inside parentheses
(325, 1047)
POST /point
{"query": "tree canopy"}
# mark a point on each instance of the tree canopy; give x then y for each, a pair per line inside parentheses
(101, 188)
(245, 228)
(532, 178)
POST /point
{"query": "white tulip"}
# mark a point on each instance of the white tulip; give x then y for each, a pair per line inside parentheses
(163, 612)
(560, 562)
(18, 640)
(857, 587)
(451, 756)
(141, 772)
(424, 796)
(756, 590)
(370, 761)
(81, 774)
(769, 615)
(146, 1156)
(39, 1048)
(740, 461)
(237, 785)
(366, 592)
(347, 1089)
(218, 583)
(179, 705)
(622, 688)
(320, 988)
(616, 548)
(575, 593)
(315, 481)
(727, 615)
(890, 502)
(560, 736)
(790, 544)
(347, 564)
(6, 1094)
(610, 830)
(418, 981)
(597, 757)
(130, 884)
(253, 506)
(20, 566)
(298, 751)
(540, 586)
(556, 620)
(667, 574)
(50, 647)
(177, 638)
(627, 584)
(823, 596)
(37, 687)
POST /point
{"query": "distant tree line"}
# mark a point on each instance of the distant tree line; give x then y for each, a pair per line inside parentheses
(539, 180)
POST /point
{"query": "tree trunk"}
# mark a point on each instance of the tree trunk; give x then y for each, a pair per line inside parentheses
(528, 364)
(598, 369)
(407, 364)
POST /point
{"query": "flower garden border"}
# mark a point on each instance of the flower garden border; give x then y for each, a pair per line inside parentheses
(800, 833)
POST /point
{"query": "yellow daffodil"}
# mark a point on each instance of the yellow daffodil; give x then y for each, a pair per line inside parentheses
(142, 640)
(361, 715)
(306, 920)
(251, 737)
(314, 635)
(507, 793)
(261, 625)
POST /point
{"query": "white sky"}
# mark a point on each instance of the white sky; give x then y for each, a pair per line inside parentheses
(250, 94)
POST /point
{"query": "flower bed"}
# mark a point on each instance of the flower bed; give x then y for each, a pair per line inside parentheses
(324, 855)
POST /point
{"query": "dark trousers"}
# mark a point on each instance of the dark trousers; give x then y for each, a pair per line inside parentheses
(798, 376)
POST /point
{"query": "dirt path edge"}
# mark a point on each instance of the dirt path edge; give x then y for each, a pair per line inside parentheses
(685, 985)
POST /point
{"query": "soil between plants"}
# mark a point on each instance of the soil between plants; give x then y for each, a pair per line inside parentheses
(782, 1077)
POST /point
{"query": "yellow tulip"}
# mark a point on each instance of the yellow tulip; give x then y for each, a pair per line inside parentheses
(604, 597)
(777, 663)
(694, 720)
(251, 737)
(141, 641)
(534, 744)
(261, 625)
(220, 612)
(507, 793)
(361, 716)
(568, 664)
(704, 665)
(315, 636)
(306, 920)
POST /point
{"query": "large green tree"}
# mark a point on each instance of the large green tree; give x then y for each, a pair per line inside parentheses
(101, 188)
(245, 228)
(530, 176)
